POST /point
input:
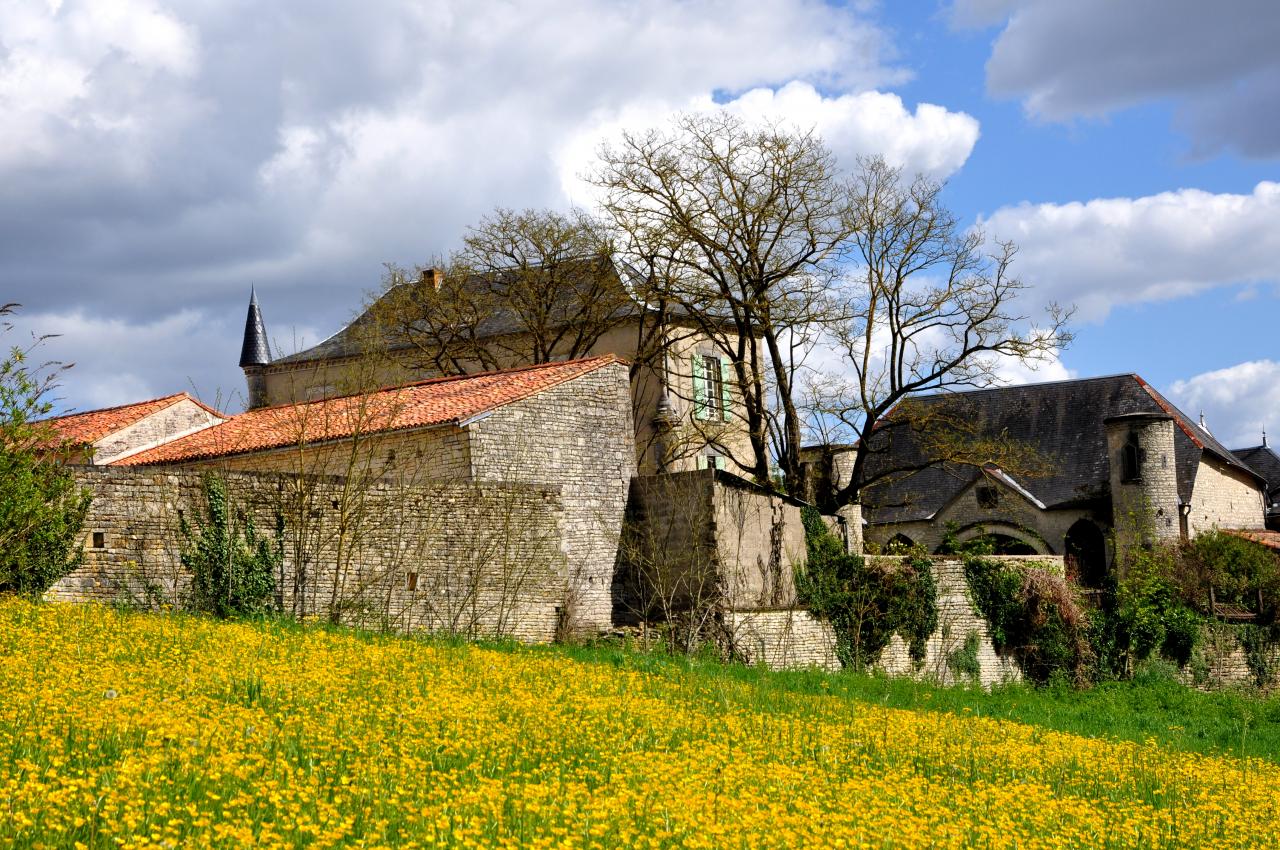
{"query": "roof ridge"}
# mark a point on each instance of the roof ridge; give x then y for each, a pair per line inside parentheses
(172, 399)
(444, 379)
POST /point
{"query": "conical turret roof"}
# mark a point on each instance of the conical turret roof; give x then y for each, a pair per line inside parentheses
(255, 351)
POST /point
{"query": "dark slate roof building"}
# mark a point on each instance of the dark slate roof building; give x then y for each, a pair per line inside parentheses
(1061, 420)
(1263, 460)
(1114, 464)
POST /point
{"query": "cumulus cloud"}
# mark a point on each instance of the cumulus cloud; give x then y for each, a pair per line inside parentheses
(159, 157)
(1239, 402)
(930, 139)
(1216, 61)
(1106, 252)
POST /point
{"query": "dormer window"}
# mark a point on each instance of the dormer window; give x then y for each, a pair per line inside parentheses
(1131, 458)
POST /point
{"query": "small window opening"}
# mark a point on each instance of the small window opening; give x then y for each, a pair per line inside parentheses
(411, 581)
(334, 502)
(988, 497)
(1131, 457)
(99, 540)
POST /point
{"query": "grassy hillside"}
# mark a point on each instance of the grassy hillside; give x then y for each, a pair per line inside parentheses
(129, 730)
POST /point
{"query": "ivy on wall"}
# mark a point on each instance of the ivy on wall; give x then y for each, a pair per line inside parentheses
(866, 601)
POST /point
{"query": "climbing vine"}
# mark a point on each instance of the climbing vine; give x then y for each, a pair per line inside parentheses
(867, 601)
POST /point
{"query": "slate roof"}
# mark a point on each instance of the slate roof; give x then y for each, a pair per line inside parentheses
(254, 351)
(1062, 420)
(92, 425)
(501, 321)
(438, 401)
(1264, 461)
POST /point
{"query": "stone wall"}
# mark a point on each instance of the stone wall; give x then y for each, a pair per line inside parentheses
(177, 420)
(1224, 498)
(1012, 515)
(793, 638)
(783, 639)
(578, 437)
(481, 560)
(705, 539)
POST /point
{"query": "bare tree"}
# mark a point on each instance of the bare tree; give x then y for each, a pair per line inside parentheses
(526, 287)
(928, 309)
(742, 228)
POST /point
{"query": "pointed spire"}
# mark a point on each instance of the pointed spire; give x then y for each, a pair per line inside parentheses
(1204, 426)
(1264, 438)
(255, 351)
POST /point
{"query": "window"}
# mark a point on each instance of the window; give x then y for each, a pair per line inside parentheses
(1131, 458)
(710, 387)
(411, 581)
(711, 461)
(988, 497)
(99, 540)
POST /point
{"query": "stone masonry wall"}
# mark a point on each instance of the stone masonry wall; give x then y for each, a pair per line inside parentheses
(1224, 498)
(759, 541)
(481, 560)
(701, 539)
(783, 639)
(793, 638)
(176, 420)
(578, 437)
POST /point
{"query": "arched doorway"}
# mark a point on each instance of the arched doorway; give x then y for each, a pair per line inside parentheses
(898, 544)
(1086, 554)
(1008, 545)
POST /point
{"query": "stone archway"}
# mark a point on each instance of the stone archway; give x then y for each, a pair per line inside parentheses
(1085, 549)
(898, 543)
(1009, 539)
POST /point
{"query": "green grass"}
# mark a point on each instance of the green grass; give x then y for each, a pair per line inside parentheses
(1151, 706)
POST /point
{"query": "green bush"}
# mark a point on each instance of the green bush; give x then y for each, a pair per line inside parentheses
(41, 507)
(866, 602)
(1034, 616)
(232, 569)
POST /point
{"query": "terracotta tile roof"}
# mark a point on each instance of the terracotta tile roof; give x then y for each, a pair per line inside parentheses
(92, 425)
(1270, 539)
(436, 401)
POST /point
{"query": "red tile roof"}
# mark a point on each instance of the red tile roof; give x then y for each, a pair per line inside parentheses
(436, 401)
(92, 425)
(1270, 539)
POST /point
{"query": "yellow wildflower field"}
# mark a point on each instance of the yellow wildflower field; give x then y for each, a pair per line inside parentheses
(121, 730)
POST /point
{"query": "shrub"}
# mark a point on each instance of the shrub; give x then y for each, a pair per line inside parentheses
(41, 508)
(1033, 615)
(232, 569)
(963, 660)
(866, 602)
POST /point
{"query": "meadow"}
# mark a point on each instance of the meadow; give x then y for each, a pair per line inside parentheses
(132, 730)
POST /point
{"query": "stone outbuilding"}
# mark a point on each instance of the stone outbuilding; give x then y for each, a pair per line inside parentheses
(116, 433)
(1264, 460)
(563, 425)
(1121, 466)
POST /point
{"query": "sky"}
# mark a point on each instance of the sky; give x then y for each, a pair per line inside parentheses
(158, 159)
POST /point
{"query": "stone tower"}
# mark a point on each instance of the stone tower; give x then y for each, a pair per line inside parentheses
(1144, 480)
(255, 354)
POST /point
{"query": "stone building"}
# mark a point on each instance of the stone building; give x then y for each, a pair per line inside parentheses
(115, 433)
(1120, 466)
(686, 406)
(1264, 460)
(565, 425)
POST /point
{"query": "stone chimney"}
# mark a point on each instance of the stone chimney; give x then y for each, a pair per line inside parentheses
(1144, 480)
(433, 278)
(255, 354)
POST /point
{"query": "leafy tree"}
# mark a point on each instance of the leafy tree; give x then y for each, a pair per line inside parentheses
(41, 507)
(233, 569)
(867, 601)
